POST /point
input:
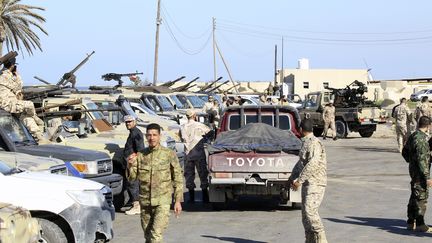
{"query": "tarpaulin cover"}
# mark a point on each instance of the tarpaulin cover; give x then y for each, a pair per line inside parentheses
(257, 137)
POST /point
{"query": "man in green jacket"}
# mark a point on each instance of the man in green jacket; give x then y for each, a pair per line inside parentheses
(417, 153)
(159, 174)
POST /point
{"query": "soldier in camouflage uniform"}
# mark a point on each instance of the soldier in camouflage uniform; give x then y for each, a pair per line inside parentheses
(11, 99)
(329, 114)
(417, 153)
(311, 172)
(423, 109)
(401, 114)
(192, 135)
(159, 174)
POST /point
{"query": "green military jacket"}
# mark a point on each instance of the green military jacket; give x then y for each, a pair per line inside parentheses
(159, 174)
(416, 152)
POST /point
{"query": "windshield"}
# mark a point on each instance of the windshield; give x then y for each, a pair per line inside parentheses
(16, 130)
(144, 109)
(166, 105)
(112, 116)
(311, 100)
(178, 103)
(127, 109)
(96, 114)
(183, 100)
(195, 101)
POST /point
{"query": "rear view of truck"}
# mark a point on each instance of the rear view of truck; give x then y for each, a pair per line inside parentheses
(255, 160)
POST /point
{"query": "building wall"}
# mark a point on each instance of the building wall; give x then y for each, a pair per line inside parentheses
(304, 81)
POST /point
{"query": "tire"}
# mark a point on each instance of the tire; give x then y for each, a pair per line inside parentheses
(366, 133)
(51, 232)
(341, 129)
(318, 132)
(119, 200)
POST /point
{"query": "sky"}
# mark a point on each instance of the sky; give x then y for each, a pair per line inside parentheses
(392, 38)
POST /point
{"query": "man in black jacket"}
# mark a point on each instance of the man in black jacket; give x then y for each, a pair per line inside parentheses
(134, 144)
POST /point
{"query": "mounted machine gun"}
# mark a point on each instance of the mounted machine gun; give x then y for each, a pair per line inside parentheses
(70, 77)
(350, 96)
(215, 88)
(117, 77)
(186, 86)
(205, 87)
(171, 83)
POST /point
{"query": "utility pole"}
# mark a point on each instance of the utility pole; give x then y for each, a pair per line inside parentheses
(275, 66)
(214, 49)
(282, 63)
(158, 23)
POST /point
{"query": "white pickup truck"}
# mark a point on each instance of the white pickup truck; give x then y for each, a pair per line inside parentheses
(68, 209)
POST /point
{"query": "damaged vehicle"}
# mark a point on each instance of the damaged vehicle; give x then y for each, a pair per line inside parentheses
(254, 154)
(68, 209)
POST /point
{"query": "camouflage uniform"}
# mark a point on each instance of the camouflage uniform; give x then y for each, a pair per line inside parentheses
(158, 172)
(422, 109)
(401, 114)
(10, 89)
(192, 135)
(329, 120)
(311, 172)
(417, 153)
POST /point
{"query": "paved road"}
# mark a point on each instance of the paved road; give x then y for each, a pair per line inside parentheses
(365, 201)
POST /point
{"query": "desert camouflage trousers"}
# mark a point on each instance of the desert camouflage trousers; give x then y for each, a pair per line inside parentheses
(312, 196)
(189, 172)
(329, 124)
(154, 221)
(401, 136)
(417, 202)
(28, 114)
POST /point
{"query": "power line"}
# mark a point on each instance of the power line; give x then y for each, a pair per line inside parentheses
(200, 36)
(179, 45)
(241, 51)
(235, 23)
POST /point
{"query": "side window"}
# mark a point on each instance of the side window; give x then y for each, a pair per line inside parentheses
(284, 123)
(311, 100)
(429, 91)
(154, 103)
(251, 119)
(267, 120)
(234, 122)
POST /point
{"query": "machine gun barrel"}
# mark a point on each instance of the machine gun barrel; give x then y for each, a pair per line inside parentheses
(70, 76)
(215, 88)
(42, 80)
(8, 56)
(234, 86)
(171, 83)
(186, 86)
(209, 85)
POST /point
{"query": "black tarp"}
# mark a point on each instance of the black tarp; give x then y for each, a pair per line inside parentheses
(257, 137)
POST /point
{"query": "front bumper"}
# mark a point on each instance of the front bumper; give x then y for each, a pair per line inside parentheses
(89, 223)
(113, 181)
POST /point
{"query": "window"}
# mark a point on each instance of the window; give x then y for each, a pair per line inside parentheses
(234, 122)
(326, 85)
(306, 85)
(284, 122)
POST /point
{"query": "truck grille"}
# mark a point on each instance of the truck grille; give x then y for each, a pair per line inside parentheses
(108, 196)
(104, 166)
(59, 170)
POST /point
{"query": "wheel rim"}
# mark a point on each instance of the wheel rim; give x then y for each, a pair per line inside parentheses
(340, 129)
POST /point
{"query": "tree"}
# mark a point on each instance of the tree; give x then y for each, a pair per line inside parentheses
(16, 22)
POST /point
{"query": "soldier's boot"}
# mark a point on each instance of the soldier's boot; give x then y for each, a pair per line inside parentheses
(423, 228)
(411, 224)
(136, 209)
(191, 196)
(335, 138)
(205, 195)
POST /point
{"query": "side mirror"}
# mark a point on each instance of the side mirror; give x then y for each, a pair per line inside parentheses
(175, 107)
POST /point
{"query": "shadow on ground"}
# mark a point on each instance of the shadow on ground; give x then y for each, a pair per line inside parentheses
(394, 226)
(232, 239)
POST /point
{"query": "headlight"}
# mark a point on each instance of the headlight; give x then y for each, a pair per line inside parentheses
(85, 167)
(87, 198)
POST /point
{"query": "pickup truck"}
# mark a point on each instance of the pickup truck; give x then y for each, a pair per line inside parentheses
(254, 153)
(89, 164)
(360, 118)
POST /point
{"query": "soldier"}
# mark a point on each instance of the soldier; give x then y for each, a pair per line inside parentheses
(263, 99)
(158, 172)
(208, 105)
(401, 114)
(423, 109)
(329, 120)
(417, 153)
(192, 135)
(134, 144)
(11, 99)
(311, 172)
